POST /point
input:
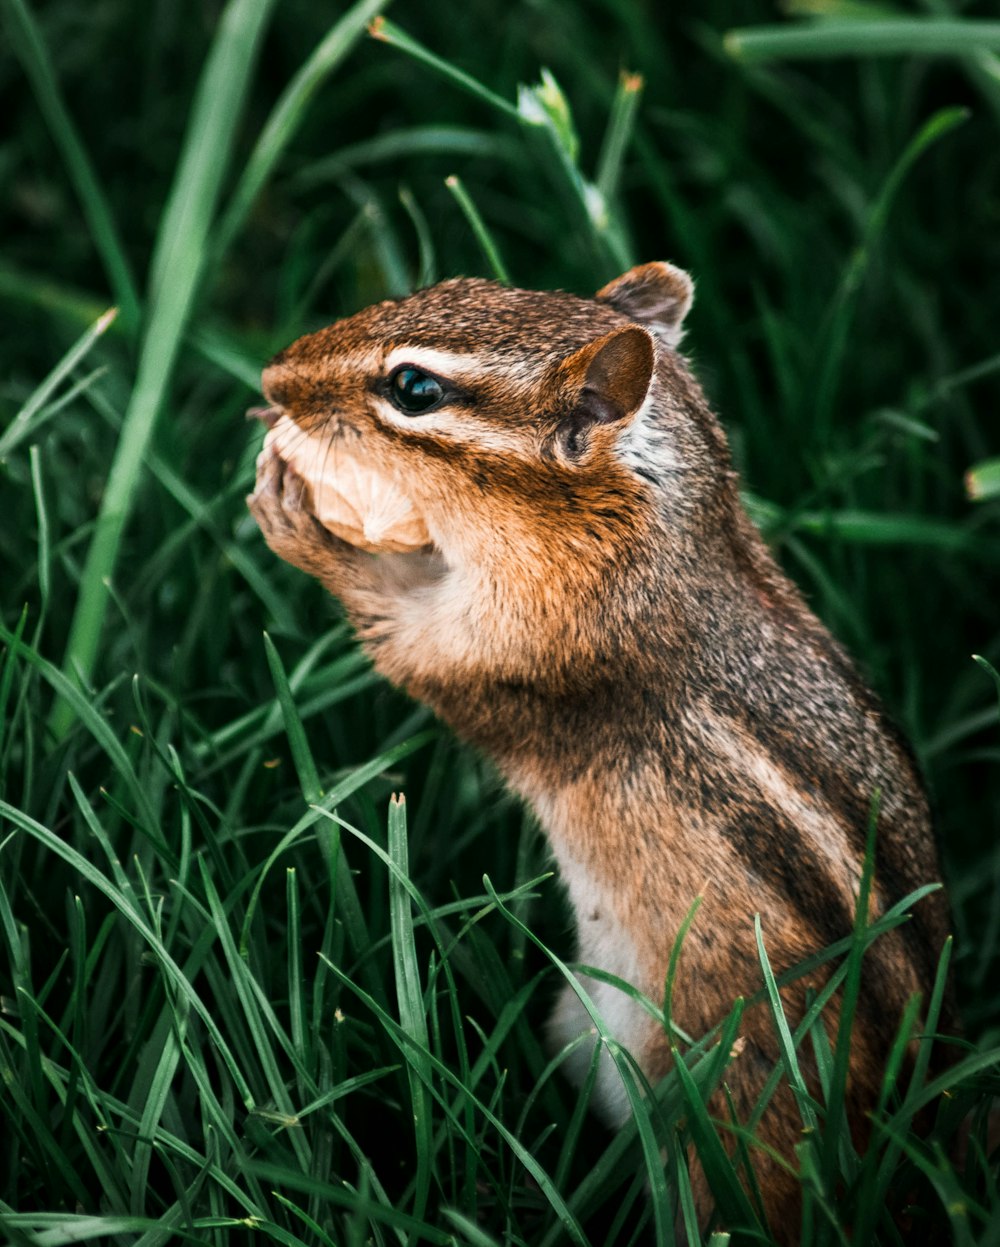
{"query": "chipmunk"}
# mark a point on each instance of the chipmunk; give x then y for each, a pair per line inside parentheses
(591, 607)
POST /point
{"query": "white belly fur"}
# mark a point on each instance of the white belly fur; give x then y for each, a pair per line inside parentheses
(605, 944)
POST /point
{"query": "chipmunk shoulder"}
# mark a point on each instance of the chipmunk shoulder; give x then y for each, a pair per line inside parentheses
(596, 612)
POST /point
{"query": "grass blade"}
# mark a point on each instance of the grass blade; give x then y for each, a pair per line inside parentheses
(409, 996)
(127, 908)
(732, 1200)
(873, 528)
(340, 792)
(257, 1015)
(672, 966)
(305, 765)
(175, 269)
(21, 426)
(842, 311)
(785, 1041)
(388, 32)
(878, 1176)
(28, 45)
(836, 1101)
(627, 1069)
(44, 539)
(620, 126)
(990, 670)
(428, 1061)
(478, 225)
(288, 114)
(91, 718)
(916, 36)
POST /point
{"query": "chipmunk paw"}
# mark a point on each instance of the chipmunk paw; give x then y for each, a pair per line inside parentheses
(282, 505)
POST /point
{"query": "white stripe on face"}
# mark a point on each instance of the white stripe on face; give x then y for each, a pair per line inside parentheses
(449, 365)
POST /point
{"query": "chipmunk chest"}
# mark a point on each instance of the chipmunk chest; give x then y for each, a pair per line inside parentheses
(605, 942)
(604, 935)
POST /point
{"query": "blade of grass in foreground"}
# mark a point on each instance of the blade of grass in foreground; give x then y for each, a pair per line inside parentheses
(181, 249)
(878, 1175)
(836, 1104)
(785, 1041)
(732, 1200)
(58, 1229)
(350, 784)
(12, 648)
(124, 902)
(357, 1203)
(258, 1017)
(627, 1071)
(298, 742)
(429, 1062)
(93, 720)
(24, 422)
(411, 1002)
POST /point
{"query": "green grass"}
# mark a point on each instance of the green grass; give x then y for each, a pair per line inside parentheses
(244, 995)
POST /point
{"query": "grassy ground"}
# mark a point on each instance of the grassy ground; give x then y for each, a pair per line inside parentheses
(244, 997)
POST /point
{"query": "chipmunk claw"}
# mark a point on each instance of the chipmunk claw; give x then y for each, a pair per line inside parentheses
(282, 506)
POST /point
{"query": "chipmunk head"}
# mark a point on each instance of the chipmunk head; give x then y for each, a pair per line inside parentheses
(468, 360)
(526, 392)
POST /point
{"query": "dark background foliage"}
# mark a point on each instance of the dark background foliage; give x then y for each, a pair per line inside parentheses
(845, 329)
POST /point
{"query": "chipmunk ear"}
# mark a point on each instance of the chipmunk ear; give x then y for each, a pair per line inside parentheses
(609, 377)
(657, 294)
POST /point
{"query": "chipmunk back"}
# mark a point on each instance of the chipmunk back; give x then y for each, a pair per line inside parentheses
(595, 611)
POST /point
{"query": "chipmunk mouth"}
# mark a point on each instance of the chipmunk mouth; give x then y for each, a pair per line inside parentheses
(330, 427)
(266, 415)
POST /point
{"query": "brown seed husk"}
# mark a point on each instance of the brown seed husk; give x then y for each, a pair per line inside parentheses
(352, 499)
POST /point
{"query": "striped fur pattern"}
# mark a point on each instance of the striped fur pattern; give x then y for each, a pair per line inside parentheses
(600, 617)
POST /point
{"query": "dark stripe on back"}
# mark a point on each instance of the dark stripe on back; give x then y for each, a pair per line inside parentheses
(773, 848)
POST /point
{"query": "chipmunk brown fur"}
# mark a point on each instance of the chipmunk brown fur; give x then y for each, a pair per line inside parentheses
(598, 615)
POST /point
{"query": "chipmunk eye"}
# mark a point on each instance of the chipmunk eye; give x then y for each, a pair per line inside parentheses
(413, 391)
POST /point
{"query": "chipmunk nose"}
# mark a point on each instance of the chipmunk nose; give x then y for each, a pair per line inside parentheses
(279, 380)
